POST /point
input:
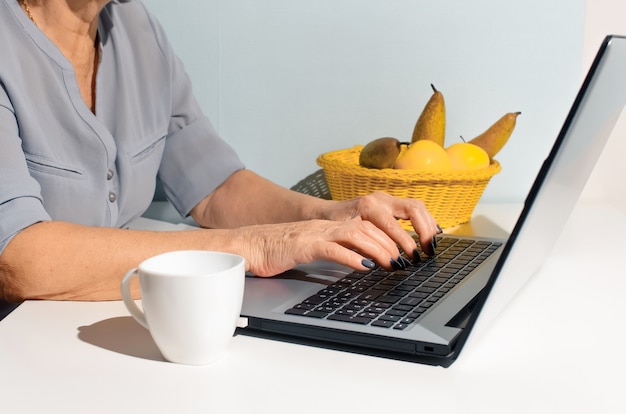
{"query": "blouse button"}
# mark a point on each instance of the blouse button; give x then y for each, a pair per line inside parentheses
(112, 197)
(109, 175)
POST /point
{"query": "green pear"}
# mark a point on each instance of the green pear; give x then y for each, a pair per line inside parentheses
(497, 135)
(380, 153)
(431, 124)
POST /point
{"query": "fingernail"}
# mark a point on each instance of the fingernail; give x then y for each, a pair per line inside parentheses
(417, 258)
(395, 264)
(405, 262)
(368, 263)
(440, 229)
(433, 246)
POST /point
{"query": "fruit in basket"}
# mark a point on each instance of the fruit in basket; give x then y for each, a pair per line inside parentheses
(467, 157)
(424, 155)
(494, 138)
(380, 153)
(431, 124)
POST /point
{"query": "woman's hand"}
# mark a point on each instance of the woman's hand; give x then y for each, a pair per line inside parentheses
(340, 237)
(384, 210)
(271, 249)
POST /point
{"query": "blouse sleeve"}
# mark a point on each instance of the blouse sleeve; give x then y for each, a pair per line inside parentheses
(196, 159)
(20, 195)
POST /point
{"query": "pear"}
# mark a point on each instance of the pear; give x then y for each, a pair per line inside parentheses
(494, 138)
(380, 153)
(431, 123)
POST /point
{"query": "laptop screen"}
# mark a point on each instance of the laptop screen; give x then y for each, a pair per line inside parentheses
(560, 181)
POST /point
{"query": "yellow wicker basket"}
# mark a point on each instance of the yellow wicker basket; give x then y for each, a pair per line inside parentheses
(449, 196)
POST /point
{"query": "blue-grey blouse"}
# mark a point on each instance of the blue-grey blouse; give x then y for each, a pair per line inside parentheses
(59, 161)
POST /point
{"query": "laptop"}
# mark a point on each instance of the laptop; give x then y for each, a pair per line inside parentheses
(425, 313)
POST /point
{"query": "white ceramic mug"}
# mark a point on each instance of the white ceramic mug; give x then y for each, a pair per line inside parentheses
(191, 302)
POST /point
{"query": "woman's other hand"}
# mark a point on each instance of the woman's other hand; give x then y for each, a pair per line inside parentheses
(384, 210)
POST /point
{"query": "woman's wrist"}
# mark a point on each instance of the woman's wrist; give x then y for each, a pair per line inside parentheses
(328, 210)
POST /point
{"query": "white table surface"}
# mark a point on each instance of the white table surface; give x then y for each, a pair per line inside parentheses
(548, 352)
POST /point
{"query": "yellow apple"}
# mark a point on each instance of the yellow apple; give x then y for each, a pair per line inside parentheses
(424, 155)
(467, 157)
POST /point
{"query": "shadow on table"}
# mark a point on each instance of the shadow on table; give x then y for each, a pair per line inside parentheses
(480, 226)
(122, 335)
(6, 308)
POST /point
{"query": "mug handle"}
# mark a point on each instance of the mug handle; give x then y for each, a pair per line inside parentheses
(129, 301)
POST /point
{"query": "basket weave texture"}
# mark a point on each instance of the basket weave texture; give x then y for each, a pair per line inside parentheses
(449, 196)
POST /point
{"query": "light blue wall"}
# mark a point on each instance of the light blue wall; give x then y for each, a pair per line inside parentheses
(286, 80)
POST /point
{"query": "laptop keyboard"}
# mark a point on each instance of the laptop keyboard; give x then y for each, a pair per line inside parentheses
(395, 299)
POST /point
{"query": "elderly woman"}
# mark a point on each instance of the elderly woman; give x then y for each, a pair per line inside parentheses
(94, 105)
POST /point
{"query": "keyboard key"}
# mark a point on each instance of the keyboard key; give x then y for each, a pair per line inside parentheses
(296, 311)
(346, 296)
(334, 303)
(416, 313)
(418, 295)
(315, 300)
(316, 314)
(354, 306)
(411, 301)
(347, 312)
(417, 279)
(403, 307)
(389, 298)
(394, 312)
(371, 294)
(403, 287)
(346, 318)
(391, 318)
(439, 279)
(325, 309)
(361, 302)
(383, 324)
